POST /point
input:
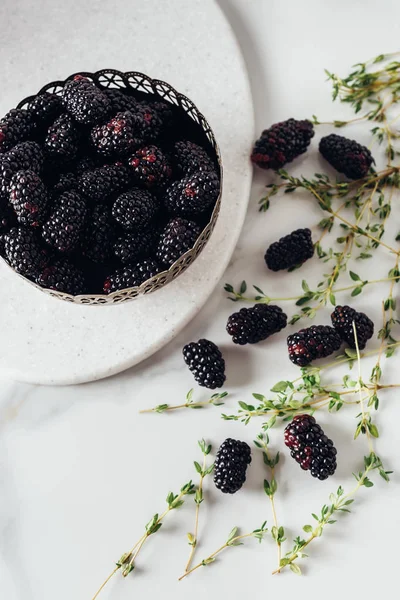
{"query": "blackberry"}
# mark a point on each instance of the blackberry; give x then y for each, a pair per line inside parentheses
(205, 361)
(317, 341)
(133, 246)
(62, 276)
(135, 209)
(99, 235)
(16, 126)
(310, 447)
(84, 101)
(103, 182)
(62, 139)
(66, 182)
(164, 110)
(252, 325)
(149, 121)
(120, 102)
(64, 228)
(282, 143)
(7, 218)
(290, 251)
(133, 276)
(346, 156)
(26, 155)
(119, 136)
(29, 198)
(23, 252)
(189, 158)
(192, 195)
(230, 466)
(178, 237)
(45, 108)
(87, 163)
(342, 320)
(149, 167)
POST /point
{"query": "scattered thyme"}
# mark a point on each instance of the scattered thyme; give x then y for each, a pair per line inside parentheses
(215, 400)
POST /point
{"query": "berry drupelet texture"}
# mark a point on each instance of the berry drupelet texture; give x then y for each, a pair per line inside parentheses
(16, 126)
(342, 320)
(62, 139)
(65, 183)
(131, 247)
(45, 108)
(29, 198)
(119, 136)
(178, 237)
(132, 276)
(8, 218)
(120, 102)
(64, 277)
(150, 122)
(104, 182)
(346, 156)
(282, 143)
(310, 447)
(24, 156)
(149, 167)
(317, 341)
(192, 195)
(65, 226)
(23, 252)
(84, 101)
(231, 462)
(252, 325)
(190, 157)
(99, 235)
(205, 361)
(135, 209)
(290, 251)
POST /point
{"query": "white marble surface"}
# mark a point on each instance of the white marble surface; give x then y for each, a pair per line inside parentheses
(81, 471)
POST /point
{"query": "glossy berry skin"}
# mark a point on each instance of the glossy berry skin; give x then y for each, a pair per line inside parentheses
(134, 210)
(149, 167)
(282, 143)
(190, 157)
(290, 251)
(99, 234)
(131, 247)
(317, 341)
(45, 108)
(310, 447)
(29, 198)
(24, 156)
(252, 325)
(62, 139)
(131, 276)
(231, 462)
(104, 182)
(342, 320)
(85, 101)
(119, 136)
(64, 228)
(24, 253)
(120, 101)
(16, 126)
(178, 237)
(193, 195)
(62, 276)
(206, 363)
(346, 156)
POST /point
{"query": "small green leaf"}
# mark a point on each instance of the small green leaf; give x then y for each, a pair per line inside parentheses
(281, 386)
(356, 291)
(243, 287)
(295, 568)
(198, 468)
(307, 528)
(354, 276)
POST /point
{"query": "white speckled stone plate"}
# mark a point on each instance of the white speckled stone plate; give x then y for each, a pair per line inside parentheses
(52, 342)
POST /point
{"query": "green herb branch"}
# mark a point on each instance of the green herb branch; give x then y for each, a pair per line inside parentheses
(215, 400)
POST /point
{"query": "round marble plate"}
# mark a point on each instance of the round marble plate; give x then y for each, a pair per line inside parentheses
(52, 342)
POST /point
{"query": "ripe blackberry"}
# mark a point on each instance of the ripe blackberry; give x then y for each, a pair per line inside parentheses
(45, 108)
(290, 251)
(99, 235)
(346, 156)
(310, 447)
(84, 101)
(62, 139)
(205, 361)
(25, 155)
(135, 209)
(29, 198)
(23, 252)
(133, 246)
(119, 136)
(7, 218)
(149, 121)
(252, 325)
(103, 182)
(16, 126)
(178, 237)
(64, 277)
(133, 276)
(149, 167)
(317, 341)
(64, 228)
(66, 182)
(120, 101)
(192, 195)
(230, 466)
(164, 111)
(282, 143)
(87, 163)
(189, 158)
(342, 320)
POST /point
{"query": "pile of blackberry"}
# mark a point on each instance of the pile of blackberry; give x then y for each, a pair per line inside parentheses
(100, 189)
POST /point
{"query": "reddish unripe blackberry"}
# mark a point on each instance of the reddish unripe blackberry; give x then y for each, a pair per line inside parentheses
(282, 143)
(84, 101)
(252, 325)
(132, 276)
(62, 276)
(29, 198)
(206, 363)
(24, 156)
(192, 195)
(65, 226)
(231, 462)
(119, 136)
(317, 341)
(190, 157)
(45, 108)
(131, 247)
(342, 320)
(62, 139)
(310, 447)
(23, 252)
(150, 167)
(104, 182)
(346, 156)
(16, 126)
(178, 237)
(290, 251)
(135, 209)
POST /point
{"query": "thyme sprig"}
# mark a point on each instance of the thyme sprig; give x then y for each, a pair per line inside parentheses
(215, 400)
